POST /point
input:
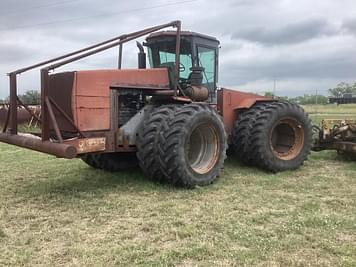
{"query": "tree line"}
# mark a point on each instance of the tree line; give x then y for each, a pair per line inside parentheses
(343, 88)
(307, 99)
(31, 97)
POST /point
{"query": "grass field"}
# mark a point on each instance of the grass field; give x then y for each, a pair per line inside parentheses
(56, 212)
(318, 112)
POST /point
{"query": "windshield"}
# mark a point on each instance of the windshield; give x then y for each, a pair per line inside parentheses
(162, 54)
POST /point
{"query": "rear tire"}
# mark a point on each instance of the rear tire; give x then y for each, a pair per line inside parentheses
(281, 137)
(112, 162)
(192, 146)
(241, 132)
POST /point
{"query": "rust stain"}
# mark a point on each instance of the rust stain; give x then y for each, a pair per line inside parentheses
(88, 145)
(91, 93)
(231, 101)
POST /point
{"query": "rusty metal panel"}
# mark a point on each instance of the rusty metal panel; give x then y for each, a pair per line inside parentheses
(97, 82)
(60, 90)
(88, 145)
(99, 102)
(93, 119)
(91, 93)
(230, 101)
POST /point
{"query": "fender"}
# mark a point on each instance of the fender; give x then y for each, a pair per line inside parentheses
(232, 102)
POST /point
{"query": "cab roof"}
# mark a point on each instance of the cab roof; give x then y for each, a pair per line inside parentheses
(183, 34)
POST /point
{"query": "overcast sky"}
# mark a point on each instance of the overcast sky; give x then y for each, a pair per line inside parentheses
(305, 45)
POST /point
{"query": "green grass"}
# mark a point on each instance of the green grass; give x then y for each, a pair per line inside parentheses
(56, 212)
(319, 112)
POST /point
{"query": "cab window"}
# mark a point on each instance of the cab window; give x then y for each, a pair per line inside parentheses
(206, 59)
(162, 54)
(185, 62)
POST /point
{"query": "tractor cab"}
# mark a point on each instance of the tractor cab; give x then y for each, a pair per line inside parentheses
(198, 57)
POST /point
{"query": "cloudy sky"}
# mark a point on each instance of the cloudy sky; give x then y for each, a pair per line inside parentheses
(304, 45)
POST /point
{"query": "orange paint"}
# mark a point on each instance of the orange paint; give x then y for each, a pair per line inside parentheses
(91, 93)
(231, 101)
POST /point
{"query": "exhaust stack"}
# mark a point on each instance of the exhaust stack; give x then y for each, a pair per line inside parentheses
(141, 56)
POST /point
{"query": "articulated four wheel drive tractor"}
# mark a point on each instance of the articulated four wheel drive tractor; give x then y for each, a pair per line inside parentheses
(170, 119)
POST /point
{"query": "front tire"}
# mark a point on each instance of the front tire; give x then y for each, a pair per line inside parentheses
(192, 148)
(147, 140)
(112, 162)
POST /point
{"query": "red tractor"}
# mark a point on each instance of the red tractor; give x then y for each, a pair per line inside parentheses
(171, 119)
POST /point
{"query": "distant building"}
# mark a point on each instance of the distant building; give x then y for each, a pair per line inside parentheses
(345, 99)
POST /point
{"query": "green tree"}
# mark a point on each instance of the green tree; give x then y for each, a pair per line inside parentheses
(283, 98)
(269, 94)
(343, 88)
(31, 97)
(310, 99)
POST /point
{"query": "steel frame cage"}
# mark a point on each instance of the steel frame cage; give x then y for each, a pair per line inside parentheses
(47, 103)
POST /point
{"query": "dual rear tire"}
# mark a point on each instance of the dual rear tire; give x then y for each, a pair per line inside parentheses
(275, 136)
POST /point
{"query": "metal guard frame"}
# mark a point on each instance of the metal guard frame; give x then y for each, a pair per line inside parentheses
(47, 103)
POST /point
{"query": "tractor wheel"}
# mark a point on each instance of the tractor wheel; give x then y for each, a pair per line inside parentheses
(281, 137)
(242, 130)
(192, 146)
(147, 141)
(112, 162)
(90, 159)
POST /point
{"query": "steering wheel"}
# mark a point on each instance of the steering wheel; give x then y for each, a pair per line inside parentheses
(183, 80)
(181, 67)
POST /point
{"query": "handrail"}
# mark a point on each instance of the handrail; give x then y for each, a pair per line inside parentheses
(124, 39)
(123, 36)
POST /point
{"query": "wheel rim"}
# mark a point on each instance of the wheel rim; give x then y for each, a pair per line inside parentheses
(202, 148)
(287, 139)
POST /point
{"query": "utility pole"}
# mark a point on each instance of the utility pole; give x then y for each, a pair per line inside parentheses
(316, 100)
(274, 88)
